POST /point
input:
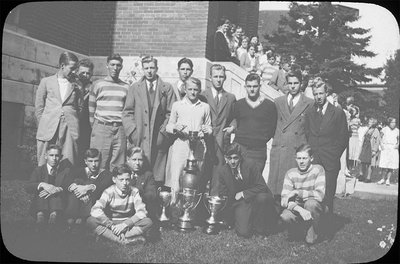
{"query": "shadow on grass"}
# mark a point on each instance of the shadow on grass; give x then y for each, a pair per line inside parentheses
(332, 224)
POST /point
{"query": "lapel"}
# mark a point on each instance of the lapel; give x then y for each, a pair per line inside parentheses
(59, 177)
(159, 89)
(300, 107)
(244, 171)
(142, 91)
(329, 113)
(54, 85)
(285, 107)
(210, 100)
(45, 173)
(176, 91)
(223, 102)
(70, 89)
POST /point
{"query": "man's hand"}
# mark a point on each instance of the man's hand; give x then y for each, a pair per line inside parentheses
(119, 229)
(81, 190)
(44, 194)
(229, 130)
(239, 195)
(85, 199)
(285, 200)
(72, 187)
(305, 214)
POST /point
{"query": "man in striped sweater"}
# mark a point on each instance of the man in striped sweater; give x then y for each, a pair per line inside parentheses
(120, 214)
(106, 101)
(302, 195)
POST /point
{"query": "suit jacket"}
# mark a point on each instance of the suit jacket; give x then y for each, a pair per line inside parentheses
(146, 186)
(49, 108)
(79, 176)
(252, 178)
(145, 131)
(328, 136)
(245, 62)
(289, 135)
(221, 117)
(278, 81)
(176, 91)
(221, 48)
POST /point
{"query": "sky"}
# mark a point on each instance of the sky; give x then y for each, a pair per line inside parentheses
(385, 34)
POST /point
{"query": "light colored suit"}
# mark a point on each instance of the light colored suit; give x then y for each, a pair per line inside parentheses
(57, 119)
(289, 135)
(145, 131)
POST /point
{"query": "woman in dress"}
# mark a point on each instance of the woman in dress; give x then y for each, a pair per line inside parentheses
(369, 150)
(189, 114)
(389, 159)
(249, 60)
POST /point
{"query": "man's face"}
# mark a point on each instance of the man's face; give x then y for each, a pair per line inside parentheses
(319, 95)
(233, 160)
(217, 79)
(185, 71)
(114, 68)
(294, 85)
(303, 160)
(192, 91)
(252, 51)
(135, 162)
(53, 157)
(67, 70)
(84, 74)
(122, 181)
(150, 70)
(93, 164)
(253, 89)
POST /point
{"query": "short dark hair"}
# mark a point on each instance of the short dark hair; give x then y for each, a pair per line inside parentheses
(295, 73)
(217, 67)
(253, 77)
(54, 146)
(115, 56)
(86, 63)
(271, 55)
(254, 46)
(121, 169)
(306, 148)
(232, 149)
(187, 61)
(148, 59)
(224, 20)
(66, 57)
(255, 36)
(92, 153)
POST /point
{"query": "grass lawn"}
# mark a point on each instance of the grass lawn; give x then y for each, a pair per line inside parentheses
(355, 239)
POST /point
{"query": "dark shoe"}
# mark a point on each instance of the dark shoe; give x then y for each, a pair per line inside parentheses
(367, 180)
(361, 179)
(137, 240)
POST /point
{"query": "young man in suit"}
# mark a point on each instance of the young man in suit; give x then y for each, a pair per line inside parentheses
(145, 116)
(57, 106)
(85, 186)
(120, 214)
(289, 133)
(185, 70)
(327, 134)
(106, 101)
(221, 106)
(250, 204)
(48, 183)
(278, 79)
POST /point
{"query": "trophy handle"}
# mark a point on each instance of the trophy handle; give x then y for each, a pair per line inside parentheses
(204, 201)
(226, 198)
(200, 195)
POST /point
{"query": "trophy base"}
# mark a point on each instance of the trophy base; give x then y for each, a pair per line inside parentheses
(211, 230)
(184, 226)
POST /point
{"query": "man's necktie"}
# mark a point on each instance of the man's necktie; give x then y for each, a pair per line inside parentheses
(319, 111)
(291, 104)
(217, 99)
(151, 88)
(236, 174)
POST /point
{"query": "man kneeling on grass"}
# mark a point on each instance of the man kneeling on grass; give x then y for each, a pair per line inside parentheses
(302, 195)
(120, 214)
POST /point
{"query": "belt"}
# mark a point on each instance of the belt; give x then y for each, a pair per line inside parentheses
(114, 124)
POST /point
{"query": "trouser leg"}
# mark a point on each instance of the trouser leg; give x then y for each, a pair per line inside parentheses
(242, 214)
(264, 213)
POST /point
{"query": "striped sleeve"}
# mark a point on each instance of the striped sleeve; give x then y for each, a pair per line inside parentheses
(97, 210)
(287, 185)
(140, 209)
(92, 102)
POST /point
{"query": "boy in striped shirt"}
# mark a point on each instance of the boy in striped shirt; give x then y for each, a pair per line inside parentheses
(106, 101)
(302, 195)
(120, 214)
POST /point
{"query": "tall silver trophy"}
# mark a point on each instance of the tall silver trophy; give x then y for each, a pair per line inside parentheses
(165, 198)
(214, 205)
(189, 199)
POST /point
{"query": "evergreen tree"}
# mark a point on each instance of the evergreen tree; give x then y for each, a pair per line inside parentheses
(392, 94)
(318, 35)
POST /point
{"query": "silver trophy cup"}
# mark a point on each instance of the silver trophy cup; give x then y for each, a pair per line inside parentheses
(214, 205)
(165, 198)
(188, 201)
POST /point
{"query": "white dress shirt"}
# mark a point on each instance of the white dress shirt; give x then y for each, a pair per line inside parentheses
(296, 99)
(63, 84)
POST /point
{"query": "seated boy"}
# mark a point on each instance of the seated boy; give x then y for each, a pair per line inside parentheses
(120, 214)
(85, 187)
(48, 183)
(302, 195)
(250, 203)
(143, 180)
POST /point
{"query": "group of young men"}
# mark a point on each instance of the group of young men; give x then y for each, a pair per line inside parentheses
(130, 130)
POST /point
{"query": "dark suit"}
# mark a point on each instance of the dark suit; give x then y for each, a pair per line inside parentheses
(221, 48)
(328, 138)
(148, 191)
(55, 202)
(85, 129)
(221, 117)
(256, 210)
(75, 207)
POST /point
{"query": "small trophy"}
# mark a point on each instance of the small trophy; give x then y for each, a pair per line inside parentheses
(191, 163)
(165, 202)
(188, 201)
(214, 205)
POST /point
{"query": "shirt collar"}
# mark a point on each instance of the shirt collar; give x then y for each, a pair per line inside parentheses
(154, 83)
(49, 168)
(187, 101)
(295, 98)
(214, 91)
(93, 176)
(119, 192)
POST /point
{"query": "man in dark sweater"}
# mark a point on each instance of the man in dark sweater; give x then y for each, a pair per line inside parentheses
(250, 205)
(256, 119)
